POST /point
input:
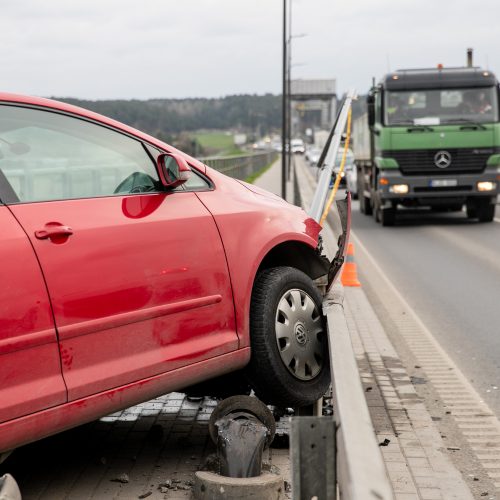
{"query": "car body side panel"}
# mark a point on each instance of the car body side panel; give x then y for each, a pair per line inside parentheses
(251, 225)
(141, 286)
(30, 370)
(26, 429)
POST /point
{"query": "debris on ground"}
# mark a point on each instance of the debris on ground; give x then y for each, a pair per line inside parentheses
(385, 442)
(122, 478)
(175, 484)
(146, 495)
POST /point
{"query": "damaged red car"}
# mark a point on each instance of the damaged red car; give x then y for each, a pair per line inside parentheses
(130, 270)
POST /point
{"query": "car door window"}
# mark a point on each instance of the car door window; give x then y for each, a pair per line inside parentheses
(48, 156)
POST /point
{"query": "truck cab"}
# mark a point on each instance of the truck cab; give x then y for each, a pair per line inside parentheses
(434, 142)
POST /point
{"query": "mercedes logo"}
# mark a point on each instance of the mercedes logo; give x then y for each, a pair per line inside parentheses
(442, 159)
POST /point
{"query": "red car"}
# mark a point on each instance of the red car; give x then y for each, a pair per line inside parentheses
(129, 269)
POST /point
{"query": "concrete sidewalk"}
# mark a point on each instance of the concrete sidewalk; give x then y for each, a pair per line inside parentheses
(411, 444)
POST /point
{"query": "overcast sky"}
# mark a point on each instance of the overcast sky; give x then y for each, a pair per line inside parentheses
(100, 49)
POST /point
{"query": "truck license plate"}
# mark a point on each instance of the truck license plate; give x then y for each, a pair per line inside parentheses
(443, 182)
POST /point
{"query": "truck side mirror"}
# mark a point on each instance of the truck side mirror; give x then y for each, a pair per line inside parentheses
(370, 103)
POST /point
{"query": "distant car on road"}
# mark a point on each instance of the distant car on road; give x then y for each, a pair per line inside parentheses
(297, 146)
(312, 155)
(130, 270)
(349, 175)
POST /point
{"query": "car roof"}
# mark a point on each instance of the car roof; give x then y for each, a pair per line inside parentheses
(52, 104)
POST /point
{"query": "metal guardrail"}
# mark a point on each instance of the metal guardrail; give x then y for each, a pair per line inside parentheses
(242, 166)
(361, 473)
(330, 156)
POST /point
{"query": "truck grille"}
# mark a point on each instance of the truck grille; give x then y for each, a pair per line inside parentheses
(463, 161)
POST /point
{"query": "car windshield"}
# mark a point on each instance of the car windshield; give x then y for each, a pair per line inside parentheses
(435, 107)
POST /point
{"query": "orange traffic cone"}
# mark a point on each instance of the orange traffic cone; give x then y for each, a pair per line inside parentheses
(349, 273)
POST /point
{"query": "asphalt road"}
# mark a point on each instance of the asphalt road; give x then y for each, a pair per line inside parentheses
(448, 270)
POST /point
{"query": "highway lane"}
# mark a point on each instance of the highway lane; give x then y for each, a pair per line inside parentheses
(448, 270)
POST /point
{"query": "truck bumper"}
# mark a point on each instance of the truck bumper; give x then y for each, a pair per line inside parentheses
(422, 191)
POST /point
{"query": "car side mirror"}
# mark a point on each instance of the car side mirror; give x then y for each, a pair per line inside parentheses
(173, 169)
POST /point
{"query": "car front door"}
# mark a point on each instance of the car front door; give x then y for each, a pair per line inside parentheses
(137, 276)
(30, 369)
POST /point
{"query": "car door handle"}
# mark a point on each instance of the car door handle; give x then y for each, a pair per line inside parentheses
(53, 230)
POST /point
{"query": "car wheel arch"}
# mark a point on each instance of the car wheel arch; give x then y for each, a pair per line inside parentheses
(298, 255)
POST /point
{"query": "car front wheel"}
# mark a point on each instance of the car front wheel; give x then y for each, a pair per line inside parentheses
(289, 366)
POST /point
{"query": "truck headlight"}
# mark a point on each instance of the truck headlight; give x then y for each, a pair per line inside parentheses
(399, 188)
(486, 186)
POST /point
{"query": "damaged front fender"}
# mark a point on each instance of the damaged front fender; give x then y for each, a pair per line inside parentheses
(344, 211)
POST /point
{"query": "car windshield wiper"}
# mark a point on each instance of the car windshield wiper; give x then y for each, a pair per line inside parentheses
(467, 120)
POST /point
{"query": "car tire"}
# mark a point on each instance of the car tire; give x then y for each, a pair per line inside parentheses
(289, 366)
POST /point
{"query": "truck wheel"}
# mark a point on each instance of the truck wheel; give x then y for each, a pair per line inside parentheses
(289, 366)
(471, 211)
(486, 211)
(387, 216)
(364, 205)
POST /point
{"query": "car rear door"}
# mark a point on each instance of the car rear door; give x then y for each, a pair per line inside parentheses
(30, 369)
(137, 276)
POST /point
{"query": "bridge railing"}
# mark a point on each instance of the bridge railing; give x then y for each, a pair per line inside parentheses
(241, 166)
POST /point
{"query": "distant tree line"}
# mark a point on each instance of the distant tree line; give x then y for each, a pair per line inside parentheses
(166, 118)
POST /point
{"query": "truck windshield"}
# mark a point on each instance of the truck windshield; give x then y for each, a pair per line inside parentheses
(444, 106)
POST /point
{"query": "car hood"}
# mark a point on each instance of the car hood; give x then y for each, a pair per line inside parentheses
(300, 225)
(262, 192)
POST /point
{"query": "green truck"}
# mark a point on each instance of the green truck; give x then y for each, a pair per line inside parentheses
(430, 138)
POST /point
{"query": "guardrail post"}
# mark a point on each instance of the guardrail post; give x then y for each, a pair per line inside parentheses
(313, 458)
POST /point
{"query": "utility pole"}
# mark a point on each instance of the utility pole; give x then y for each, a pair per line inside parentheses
(289, 93)
(284, 108)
